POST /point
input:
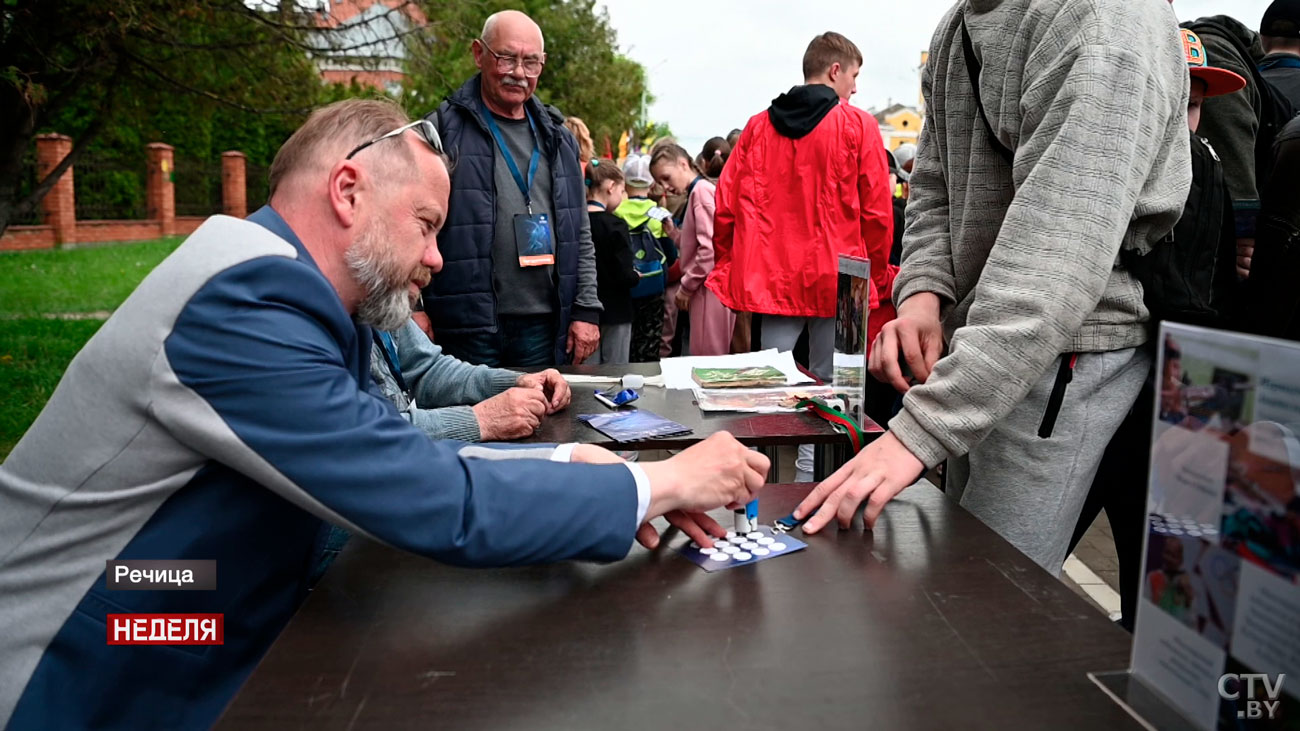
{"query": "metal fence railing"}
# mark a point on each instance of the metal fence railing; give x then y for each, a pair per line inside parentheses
(28, 178)
(257, 185)
(198, 187)
(109, 188)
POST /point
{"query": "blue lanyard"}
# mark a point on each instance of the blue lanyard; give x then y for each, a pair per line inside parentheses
(597, 204)
(390, 354)
(524, 185)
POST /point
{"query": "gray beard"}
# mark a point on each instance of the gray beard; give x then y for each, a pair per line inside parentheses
(385, 304)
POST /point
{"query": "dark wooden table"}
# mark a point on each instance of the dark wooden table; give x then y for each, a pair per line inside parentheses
(930, 622)
(755, 430)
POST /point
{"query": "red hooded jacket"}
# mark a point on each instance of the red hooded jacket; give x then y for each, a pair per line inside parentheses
(808, 181)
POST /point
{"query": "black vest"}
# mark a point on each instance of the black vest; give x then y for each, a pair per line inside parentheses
(460, 299)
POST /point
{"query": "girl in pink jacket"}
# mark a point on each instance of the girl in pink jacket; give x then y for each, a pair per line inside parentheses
(711, 321)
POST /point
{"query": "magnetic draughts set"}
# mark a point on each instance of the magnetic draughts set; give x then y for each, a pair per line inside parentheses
(759, 544)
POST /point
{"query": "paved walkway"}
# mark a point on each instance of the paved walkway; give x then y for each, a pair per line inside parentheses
(1093, 570)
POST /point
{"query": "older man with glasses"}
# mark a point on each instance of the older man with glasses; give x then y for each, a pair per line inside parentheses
(518, 285)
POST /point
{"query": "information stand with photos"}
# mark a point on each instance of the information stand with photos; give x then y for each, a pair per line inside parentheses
(1217, 639)
(852, 306)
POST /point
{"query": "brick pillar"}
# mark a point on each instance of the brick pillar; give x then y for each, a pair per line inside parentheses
(234, 191)
(60, 203)
(159, 191)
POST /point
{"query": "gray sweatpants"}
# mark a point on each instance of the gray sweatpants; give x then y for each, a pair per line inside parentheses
(783, 333)
(615, 344)
(1031, 489)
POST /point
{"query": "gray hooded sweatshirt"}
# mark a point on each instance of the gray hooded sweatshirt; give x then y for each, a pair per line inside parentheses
(1092, 96)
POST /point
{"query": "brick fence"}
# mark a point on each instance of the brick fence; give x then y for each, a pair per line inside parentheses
(59, 207)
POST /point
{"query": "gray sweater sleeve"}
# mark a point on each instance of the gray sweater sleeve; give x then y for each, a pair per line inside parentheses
(926, 265)
(586, 306)
(1105, 121)
(443, 388)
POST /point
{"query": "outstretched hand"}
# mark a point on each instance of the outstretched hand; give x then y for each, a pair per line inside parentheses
(878, 473)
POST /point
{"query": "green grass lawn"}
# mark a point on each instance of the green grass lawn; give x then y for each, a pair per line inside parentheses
(34, 350)
(33, 356)
(76, 280)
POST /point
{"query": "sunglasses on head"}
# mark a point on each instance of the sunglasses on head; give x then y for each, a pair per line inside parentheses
(428, 133)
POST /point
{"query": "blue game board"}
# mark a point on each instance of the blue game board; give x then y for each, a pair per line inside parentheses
(759, 544)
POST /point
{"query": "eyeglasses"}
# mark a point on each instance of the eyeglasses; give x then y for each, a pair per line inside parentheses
(508, 62)
(426, 129)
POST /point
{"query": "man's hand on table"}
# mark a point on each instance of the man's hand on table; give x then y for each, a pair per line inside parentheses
(717, 472)
(511, 414)
(917, 333)
(878, 473)
(551, 384)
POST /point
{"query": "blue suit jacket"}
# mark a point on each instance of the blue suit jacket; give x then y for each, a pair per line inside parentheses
(223, 413)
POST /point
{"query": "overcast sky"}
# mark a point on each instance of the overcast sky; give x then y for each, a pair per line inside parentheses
(715, 63)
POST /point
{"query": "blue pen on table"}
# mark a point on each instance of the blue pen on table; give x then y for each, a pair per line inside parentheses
(614, 399)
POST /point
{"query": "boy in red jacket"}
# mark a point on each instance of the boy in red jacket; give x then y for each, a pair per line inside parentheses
(807, 182)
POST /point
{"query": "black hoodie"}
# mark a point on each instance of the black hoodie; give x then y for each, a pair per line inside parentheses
(797, 112)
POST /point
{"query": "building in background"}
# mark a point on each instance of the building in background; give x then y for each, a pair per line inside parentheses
(364, 41)
(899, 124)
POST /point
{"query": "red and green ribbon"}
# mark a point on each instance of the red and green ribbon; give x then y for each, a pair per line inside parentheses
(837, 418)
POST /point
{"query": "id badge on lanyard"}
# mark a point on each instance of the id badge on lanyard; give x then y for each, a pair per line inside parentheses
(533, 239)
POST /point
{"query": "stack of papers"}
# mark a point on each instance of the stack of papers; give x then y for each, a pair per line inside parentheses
(677, 371)
(761, 400)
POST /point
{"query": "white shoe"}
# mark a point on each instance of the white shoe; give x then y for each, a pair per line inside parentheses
(629, 456)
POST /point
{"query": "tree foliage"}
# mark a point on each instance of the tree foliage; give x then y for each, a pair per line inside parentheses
(202, 75)
(212, 75)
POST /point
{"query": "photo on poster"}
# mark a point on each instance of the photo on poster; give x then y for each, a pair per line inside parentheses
(1192, 581)
(1261, 505)
(852, 305)
(1199, 392)
(1220, 562)
(1188, 472)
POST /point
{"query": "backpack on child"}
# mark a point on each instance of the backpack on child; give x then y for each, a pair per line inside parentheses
(650, 259)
